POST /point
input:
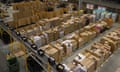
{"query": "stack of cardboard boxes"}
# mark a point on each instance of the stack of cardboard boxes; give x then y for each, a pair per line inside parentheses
(32, 12)
(70, 43)
(52, 32)
(93, 57)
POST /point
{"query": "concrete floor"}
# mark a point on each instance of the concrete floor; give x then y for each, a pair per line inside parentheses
(112, 64)
(5, 49)
(109, 66)
(88, 45)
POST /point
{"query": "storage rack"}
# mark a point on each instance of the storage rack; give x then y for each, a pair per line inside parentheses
(38, 55)
(110, 6)
(98, 2)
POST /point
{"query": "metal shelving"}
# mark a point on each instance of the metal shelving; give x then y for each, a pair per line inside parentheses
(39, 55)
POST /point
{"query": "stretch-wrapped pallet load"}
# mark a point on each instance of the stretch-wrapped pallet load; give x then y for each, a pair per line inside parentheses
(60, 49)
(100, 51)
(97, 53)
(108, 15)
(72, 67)
(87, 63)
(51, 51)
(98, 60)
(114, 16)
(101, 14)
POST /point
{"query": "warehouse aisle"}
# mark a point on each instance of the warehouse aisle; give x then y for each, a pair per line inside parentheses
(112, 63)
(88, 45)
(110, 66)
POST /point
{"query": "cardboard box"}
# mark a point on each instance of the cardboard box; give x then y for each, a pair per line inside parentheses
(71, 65)
(56, 33)
(85, 36)
(21, 22)
(89, 64)
(28, 21)
(68, 46)
(51, 51)
(61, 32)
(49, 14)
(29, 30)
(54, 21)
(39, 40)
(115, 39)
(74, 44)
(111, 43)
(94, 57)
(76, 68)
(66, 28)
(33, 19)
(50, 35)
(60, 50)
(100, 51)
(81, 42)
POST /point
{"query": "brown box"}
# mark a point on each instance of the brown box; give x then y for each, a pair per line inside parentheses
(21, 22)
(49, 14)
(60, 49)
(51, 51)
(68, 47)
(111, 43)
(60, 31)
(81, 42)
(101, 51)
(29, 30)
(28, 21)
(113, 36)
(85, 36)
(71, 65)
(74, 44)
(15, 16)
(94, 57)
(54, 21)
(89, 64)
(33, 19)
(66, 28)
(50, 35)
(42, 24)
(56, 33)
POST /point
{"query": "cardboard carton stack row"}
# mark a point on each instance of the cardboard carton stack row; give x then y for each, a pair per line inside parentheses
(31, 12)
(91, 59)
(27, 9)
(44, 33)
(65, 47)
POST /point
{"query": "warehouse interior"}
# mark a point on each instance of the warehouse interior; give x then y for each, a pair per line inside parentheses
(59, 35)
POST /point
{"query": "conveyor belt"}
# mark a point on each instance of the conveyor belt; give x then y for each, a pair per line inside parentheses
(44, 58)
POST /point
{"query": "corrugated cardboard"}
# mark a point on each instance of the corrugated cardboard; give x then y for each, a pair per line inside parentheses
(51, 51)
(111, 43)
(50, 35)
(68, 47)
(89, 64)
(56, 33)
(60, 49)
(94, 57)
(101, 51)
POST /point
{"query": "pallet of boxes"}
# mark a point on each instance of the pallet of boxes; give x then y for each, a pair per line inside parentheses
(92, 58)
